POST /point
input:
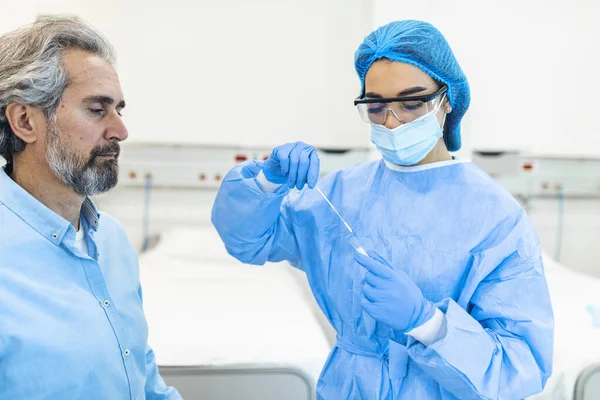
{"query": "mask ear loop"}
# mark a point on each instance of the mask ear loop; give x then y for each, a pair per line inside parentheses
(444, 121)
(445, 111)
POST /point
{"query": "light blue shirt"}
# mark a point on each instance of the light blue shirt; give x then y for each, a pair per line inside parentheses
(71, 324)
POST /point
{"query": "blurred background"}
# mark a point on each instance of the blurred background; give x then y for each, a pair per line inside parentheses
(209, 84)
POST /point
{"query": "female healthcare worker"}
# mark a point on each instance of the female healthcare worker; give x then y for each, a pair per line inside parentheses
(452, 301)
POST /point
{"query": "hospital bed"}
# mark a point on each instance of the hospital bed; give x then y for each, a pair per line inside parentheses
(224, 330)
(220, 328)
(576, 305)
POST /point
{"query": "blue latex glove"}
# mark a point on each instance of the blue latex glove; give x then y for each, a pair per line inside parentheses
(293, 163)
(391, 297)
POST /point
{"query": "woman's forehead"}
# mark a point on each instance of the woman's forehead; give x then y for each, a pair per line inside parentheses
(389, 78)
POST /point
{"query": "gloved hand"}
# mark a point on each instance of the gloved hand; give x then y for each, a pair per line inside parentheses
(391, 297)
(293, 163)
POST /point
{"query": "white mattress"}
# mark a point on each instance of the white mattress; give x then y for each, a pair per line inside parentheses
(206, 309)
(577, 339)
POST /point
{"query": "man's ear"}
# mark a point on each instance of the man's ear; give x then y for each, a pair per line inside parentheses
(24, 121)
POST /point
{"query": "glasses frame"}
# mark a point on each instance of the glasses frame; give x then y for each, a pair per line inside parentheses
(425, 98)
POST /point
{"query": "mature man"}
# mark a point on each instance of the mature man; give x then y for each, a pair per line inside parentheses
(71, 319)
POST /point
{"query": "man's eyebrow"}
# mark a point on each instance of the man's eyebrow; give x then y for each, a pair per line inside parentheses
(104, 100)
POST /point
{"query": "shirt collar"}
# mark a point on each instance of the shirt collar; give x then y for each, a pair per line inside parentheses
(45, 221)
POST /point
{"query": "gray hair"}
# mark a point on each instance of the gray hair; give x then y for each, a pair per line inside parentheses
(31, 70)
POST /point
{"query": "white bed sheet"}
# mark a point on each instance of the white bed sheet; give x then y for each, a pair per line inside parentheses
(577, 339)
(206, 309)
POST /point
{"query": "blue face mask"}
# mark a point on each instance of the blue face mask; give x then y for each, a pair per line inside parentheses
(408, 144)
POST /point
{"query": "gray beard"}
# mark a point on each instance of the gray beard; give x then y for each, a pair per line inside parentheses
(87, 176)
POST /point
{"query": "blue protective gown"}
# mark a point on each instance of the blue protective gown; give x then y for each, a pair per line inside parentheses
(462, 238)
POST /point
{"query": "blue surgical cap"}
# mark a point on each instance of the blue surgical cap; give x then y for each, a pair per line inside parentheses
(422, 45)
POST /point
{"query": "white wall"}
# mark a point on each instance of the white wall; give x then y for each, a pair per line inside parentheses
(579, 248)
(532, 65)
(230, 72)
(261, 72)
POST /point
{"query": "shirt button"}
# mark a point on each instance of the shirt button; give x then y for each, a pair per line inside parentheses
(126, 352)
(54, 236)
(106, 303)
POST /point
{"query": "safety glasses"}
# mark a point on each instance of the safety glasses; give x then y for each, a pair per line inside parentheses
(405, 109)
